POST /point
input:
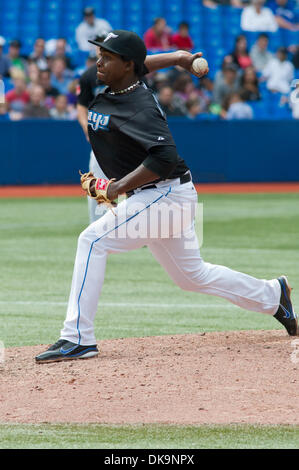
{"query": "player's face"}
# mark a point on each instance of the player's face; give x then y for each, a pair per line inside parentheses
(111, 67)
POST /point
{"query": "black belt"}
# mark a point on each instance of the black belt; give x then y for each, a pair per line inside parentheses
(183, 179)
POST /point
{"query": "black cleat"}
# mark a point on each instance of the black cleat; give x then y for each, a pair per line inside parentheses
(64, 350)
(285, 313)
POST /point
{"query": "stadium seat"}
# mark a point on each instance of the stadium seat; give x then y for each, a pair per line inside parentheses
(175, 6)
(275, 41)
(153, 7)
(12, 6)
(259, 109)
(73, 6)
(53, 5)
(31, 5)
(133, 6)
(79, 58)
(27, 44)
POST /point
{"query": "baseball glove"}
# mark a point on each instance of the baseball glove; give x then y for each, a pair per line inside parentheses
(96, 188)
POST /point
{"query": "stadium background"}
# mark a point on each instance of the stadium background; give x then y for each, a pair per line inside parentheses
(242, 151)
(254, 233)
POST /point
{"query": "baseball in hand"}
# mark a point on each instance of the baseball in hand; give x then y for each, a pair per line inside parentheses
(200, 65)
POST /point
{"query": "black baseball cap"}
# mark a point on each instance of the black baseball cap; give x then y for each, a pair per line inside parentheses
(127, 44)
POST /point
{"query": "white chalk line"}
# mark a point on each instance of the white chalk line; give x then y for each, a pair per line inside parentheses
(118, 304)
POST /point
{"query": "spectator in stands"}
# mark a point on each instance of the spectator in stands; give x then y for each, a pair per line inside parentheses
(193, 108)
(60, 110)
(158, 37)
(213, 4)
(237, 108)
(14, 55)
(295, 59)
(38, 54)
(279, 72)
(157, 80)
(4, 115)
(240, 53)
(228, 85)
(60, 51)
(206, 88)
(50, 91)
(71, 95)
(4, 61)
(169, 103)
(294, 102)
(61, 77)
(184, 87)
(219, 76)
(90, 28)
(256, 17)
(249, 85)
(36, 108)
(284, 14)
(18, 97)
(33, 73)
(260, 55)
(182, 39)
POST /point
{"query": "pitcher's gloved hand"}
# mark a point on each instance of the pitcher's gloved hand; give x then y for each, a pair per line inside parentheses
(96, 188)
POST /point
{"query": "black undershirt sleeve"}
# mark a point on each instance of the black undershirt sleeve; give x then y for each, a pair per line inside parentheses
(86, 92)
(162, 160)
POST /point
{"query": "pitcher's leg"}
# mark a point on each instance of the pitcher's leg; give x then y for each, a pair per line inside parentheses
(190, 272)
(109, 234)
(88, 278)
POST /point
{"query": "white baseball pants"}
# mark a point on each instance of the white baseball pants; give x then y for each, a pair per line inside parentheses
(163, 219)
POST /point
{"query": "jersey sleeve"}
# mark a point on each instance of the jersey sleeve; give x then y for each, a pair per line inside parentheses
(150, 129)
(85, 93)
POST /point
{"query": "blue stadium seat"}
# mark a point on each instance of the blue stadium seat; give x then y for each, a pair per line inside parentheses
(251, 38)
(289, 37)
(79, 58)
(173, 20)
(153, 7)
(275, 41)
(74, 6)
(136, 27)
(133, 6)
(29, 30)
(13, 6)
(9, 30)
(115, 5)
(52, 5)
(175, 6)
(31, 5)
(27, 44)
(259, 110)
(133, 16)
(72, 17)
(115, 19)
(283, 112)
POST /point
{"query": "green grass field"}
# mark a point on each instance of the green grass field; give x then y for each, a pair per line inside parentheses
(256, 233)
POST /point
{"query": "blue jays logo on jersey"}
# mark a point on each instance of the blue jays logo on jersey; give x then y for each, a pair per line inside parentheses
(98, 121)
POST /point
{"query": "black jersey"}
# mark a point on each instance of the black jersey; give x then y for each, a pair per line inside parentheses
(89, 86)
(123, 129)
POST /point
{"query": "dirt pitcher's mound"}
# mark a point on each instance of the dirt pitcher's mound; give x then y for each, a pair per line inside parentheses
(233, 377)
